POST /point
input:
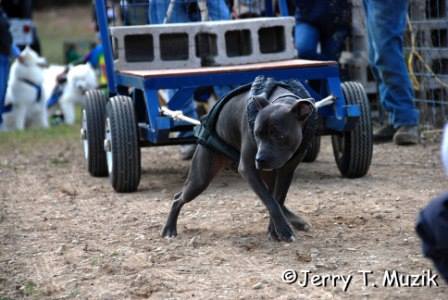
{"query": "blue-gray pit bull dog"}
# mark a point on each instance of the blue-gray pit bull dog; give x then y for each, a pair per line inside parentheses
(265, 128)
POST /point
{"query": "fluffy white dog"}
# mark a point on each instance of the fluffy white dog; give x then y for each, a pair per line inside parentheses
(79, 80)
(25, 96)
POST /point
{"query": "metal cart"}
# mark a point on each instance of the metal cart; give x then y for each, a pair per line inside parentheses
(116, 125)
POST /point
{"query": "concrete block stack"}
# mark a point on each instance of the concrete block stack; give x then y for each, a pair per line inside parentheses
(192, 45)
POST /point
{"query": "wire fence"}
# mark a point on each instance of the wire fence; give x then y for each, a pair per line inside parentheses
(426, 46)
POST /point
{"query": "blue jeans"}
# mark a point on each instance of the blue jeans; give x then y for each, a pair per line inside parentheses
(4, 72)
(309, 36)
(386, 23)
(217, 9)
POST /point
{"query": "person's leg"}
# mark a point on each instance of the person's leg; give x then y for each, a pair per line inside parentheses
(386, 132)
(4, 71)
(218, 10)
(307, 38)
(189, 110)
(386, 22)
(332, 44)
(157, 13)
(158, 10)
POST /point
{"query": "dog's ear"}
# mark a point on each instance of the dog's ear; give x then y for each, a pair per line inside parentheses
(260, 102)
(303, 108)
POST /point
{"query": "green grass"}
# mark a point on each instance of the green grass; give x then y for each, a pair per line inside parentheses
(32, 137)
(29, 288)
(54, 26)
(38, 136)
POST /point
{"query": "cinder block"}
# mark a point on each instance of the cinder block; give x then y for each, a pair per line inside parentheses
(255, 40)
(157, 46)
(191, 45)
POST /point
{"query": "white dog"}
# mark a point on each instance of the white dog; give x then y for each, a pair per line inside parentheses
(79, 80)
(25, 96)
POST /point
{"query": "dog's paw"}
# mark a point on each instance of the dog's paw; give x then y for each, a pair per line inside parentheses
(296, 221)
(169, 232)
(285, 233)
(300, 224)
(272, 234)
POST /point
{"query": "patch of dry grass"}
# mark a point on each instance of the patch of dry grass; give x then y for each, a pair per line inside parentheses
(57, 25)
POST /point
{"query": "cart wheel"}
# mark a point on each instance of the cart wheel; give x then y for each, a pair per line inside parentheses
(121, 145)
(313, 150)
(353, 149)
(92, 133)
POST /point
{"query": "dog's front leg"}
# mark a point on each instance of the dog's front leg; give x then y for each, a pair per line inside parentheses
(68, 109)
(248, 171)
(43, 119)
(283, 179)
(20, 114)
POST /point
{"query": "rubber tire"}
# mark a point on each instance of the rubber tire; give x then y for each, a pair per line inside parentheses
(313, 151)
(126, 170)
(95, 110)
(354, 159)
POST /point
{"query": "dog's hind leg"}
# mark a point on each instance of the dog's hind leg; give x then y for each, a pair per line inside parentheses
(204, 166)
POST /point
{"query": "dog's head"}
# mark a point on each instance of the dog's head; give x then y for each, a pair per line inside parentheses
(278, 130)
(29, 65)
(29, 58)
(83, 78)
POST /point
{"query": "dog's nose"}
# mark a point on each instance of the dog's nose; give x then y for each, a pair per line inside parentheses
(260, 160)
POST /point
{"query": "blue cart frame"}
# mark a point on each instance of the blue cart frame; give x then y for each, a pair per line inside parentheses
(338, 119)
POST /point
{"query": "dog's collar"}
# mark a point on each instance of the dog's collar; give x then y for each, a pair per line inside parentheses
(34, 85)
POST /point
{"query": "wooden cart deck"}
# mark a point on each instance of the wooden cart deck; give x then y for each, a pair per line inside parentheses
(279, 65)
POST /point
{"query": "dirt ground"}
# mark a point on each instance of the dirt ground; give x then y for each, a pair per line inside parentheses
(66, 235)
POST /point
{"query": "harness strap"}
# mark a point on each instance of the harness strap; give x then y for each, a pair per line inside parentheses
(55, 95)
(34, 85)
(206, 132)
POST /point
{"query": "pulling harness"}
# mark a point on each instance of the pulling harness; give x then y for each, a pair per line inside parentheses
(8, 107)
(34, 85)
(261, 87)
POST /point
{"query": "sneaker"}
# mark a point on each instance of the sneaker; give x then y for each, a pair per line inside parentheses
(384, 134)
(187, 151)
(406, 135)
